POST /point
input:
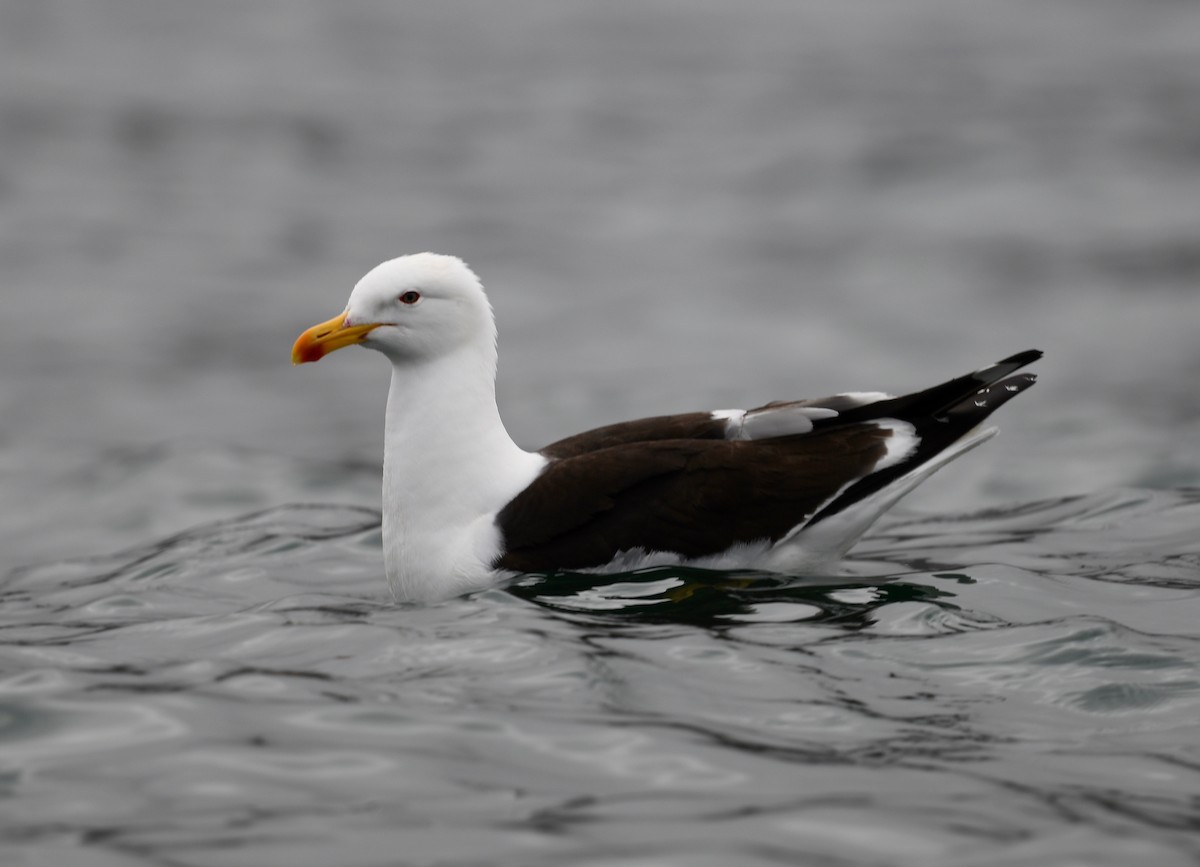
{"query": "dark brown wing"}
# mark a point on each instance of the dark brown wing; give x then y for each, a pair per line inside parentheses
(685, 426)
(693, 497)
(676, 483)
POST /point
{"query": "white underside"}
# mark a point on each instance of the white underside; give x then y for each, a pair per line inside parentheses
(444, 483)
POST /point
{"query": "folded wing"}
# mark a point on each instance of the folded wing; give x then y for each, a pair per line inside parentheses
(696, 484)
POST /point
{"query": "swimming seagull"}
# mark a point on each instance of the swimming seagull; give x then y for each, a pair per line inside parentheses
(786, 487)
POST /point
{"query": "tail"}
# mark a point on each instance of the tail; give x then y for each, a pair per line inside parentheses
(941, 417)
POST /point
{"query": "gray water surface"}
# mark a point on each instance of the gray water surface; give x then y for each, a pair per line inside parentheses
(674, 207)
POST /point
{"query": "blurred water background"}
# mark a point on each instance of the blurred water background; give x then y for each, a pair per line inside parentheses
(674, 206)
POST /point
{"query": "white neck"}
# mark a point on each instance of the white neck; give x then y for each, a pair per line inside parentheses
(449, 465)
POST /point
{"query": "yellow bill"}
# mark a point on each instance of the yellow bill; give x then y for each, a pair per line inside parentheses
(320, 340)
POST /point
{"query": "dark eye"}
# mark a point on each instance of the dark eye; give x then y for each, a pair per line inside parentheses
(410, 297)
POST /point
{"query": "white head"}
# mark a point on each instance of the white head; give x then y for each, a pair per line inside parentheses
(448, 461)
(412, 309)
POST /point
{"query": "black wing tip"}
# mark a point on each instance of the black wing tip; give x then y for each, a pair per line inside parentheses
(990, 398)
(1029, 356)
(1002, 368)
(939, 430)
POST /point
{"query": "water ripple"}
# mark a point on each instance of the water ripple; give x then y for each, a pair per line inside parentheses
(985, 689)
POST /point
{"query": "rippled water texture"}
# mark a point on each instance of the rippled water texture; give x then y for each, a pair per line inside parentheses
(1015, 686)
(675, 207)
